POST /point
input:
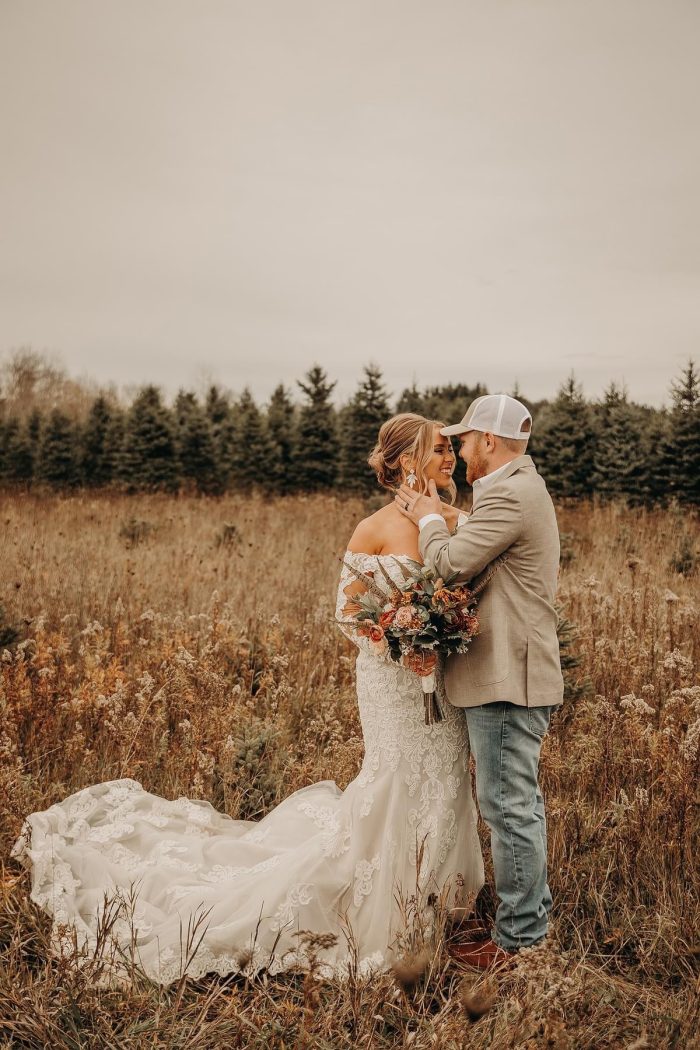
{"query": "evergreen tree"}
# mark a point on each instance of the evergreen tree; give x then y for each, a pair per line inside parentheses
(227, 448)
(681, 452)
(195, 445)
(97, 457)
(253, 451)
(411, 400)
(217, 407)
(17, 461)
(655, 443)
(450, 401)
(366, 412)
(149, 458)
(620, 460)
(34, 424)
(115, 444)
(575, 685)
(563, 443)
(184, 407)
(222, 422)
(316, 455)
(281, 426)
(59, 455)
(185, 403)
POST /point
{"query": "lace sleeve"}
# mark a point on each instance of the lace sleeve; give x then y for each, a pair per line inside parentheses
(363, 563)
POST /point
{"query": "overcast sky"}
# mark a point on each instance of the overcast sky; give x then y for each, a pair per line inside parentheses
(458, 190)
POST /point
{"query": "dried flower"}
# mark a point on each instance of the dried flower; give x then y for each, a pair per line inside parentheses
(477, 1001)
(408, 971)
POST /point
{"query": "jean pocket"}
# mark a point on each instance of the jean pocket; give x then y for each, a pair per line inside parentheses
(538, 720)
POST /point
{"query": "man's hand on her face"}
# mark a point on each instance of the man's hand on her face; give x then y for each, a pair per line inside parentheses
(413, 506)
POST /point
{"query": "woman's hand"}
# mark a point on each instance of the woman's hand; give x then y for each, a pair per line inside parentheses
(414, 506)
(422, 662)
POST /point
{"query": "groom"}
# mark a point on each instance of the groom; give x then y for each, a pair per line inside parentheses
(510, 681)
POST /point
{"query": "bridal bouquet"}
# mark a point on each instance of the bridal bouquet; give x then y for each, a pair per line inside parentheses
(421, 615)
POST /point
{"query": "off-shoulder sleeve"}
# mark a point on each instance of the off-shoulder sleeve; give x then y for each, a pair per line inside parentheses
(363, 563)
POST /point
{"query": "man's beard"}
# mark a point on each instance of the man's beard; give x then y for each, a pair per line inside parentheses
(476, 467)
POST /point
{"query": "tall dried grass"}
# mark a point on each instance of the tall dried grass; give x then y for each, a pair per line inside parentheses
(190, 644)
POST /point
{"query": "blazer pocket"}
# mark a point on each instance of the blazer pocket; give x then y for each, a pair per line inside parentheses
(489, 659)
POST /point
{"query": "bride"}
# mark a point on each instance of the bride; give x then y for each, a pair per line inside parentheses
(182, 888)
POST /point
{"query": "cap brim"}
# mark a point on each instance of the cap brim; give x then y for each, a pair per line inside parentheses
(458, 428)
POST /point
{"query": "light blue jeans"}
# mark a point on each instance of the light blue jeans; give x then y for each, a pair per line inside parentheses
(505, 740)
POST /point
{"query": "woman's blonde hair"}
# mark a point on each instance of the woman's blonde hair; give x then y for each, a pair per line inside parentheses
(405, 434)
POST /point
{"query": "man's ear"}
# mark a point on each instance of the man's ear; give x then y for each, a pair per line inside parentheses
(490, 440)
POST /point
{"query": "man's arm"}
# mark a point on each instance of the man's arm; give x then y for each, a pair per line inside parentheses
(492, 528)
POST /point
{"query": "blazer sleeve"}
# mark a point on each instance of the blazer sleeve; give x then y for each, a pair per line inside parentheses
(491, 529)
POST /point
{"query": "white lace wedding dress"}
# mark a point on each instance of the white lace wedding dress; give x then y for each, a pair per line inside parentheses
(323, 860)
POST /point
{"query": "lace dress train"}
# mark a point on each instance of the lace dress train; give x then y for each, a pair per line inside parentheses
(240, 892)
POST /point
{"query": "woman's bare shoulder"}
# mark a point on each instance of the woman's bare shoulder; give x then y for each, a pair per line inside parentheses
(369, 534)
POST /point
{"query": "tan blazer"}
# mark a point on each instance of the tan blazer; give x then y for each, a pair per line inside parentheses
(515, 657)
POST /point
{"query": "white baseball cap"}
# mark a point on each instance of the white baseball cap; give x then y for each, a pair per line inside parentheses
(497, 414)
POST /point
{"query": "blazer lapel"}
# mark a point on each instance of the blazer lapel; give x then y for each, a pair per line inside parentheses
(519, 463)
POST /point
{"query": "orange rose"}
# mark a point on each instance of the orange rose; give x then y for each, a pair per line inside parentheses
(376, 633)
(387, 618)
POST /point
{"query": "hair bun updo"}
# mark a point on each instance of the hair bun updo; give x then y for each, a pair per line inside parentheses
(388, 476)
(398, 436)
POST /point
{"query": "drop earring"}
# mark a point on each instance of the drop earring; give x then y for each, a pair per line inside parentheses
(411, 479)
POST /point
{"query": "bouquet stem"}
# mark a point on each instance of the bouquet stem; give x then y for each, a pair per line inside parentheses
(433, 713)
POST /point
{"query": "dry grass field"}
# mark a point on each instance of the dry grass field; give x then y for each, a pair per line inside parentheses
(189, 644)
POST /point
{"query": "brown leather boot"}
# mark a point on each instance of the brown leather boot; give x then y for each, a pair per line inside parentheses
(483, 955)
(471, 929)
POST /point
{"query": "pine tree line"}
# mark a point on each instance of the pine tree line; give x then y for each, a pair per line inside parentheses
(611, 448)
(614, 448)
